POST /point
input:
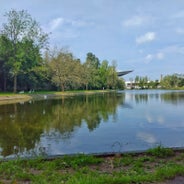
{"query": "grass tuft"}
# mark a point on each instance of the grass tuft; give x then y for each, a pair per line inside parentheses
(161, 152)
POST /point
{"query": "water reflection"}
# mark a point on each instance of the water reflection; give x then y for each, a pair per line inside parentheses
(147, 137)
(21, 125)
(97, 123)
(142, 96)
(174, 97)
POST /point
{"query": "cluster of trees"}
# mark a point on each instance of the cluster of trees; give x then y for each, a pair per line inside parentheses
(66, 72)
(166, 82)
(172, 81)
(23, 66)
(145, 83)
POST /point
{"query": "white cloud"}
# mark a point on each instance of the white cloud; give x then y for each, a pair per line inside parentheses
(160, 55)
(157, 56)
(63, 28)
(147, 137)
(148, 37)
(149, 118)
(69, 23)
(149, 57)
(161, 120)
(55, 23)
(80, 23)
(134, 21)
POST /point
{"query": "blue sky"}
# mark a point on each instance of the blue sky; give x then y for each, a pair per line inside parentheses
(146, 36)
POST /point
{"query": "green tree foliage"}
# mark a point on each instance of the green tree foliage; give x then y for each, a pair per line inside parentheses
(5, 50)
(120, 84)
(112, 77)
(172, 81)
(153, 84)
(22, 38)
(144, 83)
(92, 65)
(69, 73)
(65, 70)
(24, 67)
(103, 73)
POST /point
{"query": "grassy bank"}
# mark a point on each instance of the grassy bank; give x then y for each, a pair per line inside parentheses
(7, 98)
(154, 166)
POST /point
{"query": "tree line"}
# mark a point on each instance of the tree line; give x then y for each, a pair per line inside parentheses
(27, 63)
(172, 81)
(166, 82)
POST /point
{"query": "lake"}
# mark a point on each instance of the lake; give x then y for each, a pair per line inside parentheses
(130, 120)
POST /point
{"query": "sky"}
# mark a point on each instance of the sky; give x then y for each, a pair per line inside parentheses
(146, 36)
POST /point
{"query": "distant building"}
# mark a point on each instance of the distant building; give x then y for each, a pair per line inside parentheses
(135, 85)
(131, 85)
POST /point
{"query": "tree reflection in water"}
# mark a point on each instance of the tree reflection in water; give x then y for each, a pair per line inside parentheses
(22, 125)
(173, 97)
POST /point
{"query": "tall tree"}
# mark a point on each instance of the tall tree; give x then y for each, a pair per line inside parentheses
(92, 65)
(65, 69)
(5, 52)
(103, 72)
(20, 26)
(30, 58)
(112, 77)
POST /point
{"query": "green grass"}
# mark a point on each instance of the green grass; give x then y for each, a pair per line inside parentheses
(87, 169)
(7, 98)
(161, 152)
(57, 93)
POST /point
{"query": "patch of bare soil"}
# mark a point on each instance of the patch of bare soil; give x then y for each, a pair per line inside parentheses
(176, 180)
(13, 99)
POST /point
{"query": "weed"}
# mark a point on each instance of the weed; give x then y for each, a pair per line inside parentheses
(168, 171)
(117, 162)
(127, 160)
(138, 164)
(145, 158)
(180, 157)
(81, 160)
(161, 152)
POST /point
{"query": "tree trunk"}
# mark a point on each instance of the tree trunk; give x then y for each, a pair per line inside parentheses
(62, 87)
(4, 83)
(15, 84)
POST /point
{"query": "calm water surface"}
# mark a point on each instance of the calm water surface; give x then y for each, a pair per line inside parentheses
(116, 122)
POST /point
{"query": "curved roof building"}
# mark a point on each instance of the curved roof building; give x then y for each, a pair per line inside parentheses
(123, 73)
